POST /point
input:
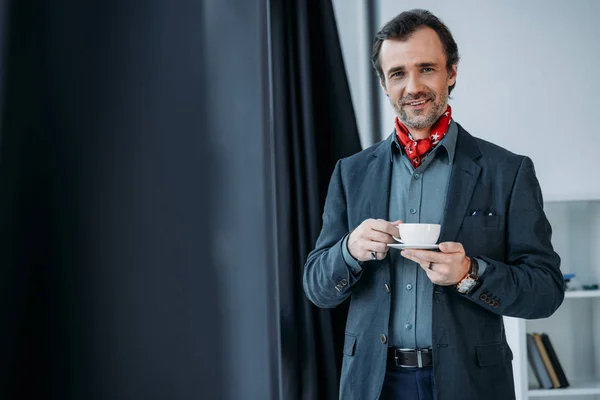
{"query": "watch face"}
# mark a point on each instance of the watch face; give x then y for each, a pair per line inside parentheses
(466, 285)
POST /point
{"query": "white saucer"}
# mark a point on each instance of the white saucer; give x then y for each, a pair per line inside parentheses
(403, 246)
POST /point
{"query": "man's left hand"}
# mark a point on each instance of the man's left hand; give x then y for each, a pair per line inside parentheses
(443, 268)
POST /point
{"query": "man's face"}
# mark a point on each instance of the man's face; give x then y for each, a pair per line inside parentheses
(416, 79)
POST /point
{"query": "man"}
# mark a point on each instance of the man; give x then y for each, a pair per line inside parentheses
(428, 324)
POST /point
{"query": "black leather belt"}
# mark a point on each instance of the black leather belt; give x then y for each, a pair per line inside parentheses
(407, 358)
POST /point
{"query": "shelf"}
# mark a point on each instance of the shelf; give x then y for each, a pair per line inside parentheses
(576, 389)
(571, 197)
(580, 294)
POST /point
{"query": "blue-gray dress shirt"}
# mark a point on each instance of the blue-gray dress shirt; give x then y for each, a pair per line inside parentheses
(416, 196)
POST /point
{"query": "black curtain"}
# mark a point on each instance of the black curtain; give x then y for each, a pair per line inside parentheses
(163, 167)
(25, 244)
(314, 126)
(130, 268)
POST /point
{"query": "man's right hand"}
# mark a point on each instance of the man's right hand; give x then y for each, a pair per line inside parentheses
(372, 235)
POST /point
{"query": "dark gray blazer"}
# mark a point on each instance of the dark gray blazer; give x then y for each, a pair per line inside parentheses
(472, 360)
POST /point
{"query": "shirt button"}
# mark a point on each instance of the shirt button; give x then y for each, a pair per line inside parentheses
(383, 339)
(416, 176)
(408, 327)
(408, 287)
(413, 210)
(387, 287)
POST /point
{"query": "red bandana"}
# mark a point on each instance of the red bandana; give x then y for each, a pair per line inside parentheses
(417, 150)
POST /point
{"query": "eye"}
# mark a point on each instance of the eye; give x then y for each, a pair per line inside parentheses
(398, 74)
(427, 69)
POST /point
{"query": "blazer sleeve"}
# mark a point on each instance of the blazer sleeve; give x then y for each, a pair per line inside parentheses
(529, 284)
(327, 278)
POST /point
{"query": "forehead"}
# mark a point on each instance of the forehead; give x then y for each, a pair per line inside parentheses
(424, 45)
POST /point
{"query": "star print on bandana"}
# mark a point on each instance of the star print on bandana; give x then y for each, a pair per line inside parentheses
(423, 146)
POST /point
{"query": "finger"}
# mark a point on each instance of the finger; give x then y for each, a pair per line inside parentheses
(371, 255)
(377, 236)
(422, 263)
(452, 247)
(434, 271)
(375, 255)
(427, 256)
(429, 267)
(440, 270)
(395, 224)
(378, 247)
(436, 275)
(396, 229)
(385, 227)
(411, 256)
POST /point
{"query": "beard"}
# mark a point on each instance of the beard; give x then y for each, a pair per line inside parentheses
(421, 119)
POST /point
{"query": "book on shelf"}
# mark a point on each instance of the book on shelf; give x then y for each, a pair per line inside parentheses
(544, 362)
(562, 378)
(537, 365)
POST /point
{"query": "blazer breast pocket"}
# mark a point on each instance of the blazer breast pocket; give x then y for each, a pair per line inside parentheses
(474, 222)
(483, 235)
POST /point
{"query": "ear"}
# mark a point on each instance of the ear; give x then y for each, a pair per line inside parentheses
(452, 75)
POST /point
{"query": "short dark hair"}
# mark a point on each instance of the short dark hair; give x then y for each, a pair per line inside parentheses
(407, 23)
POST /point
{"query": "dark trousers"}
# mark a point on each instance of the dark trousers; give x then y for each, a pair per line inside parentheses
(408, 384)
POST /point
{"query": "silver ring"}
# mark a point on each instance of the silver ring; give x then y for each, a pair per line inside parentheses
(373, 255)
(430, 266)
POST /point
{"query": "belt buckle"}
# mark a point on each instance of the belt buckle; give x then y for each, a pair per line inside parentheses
(418, 352)
(419, 359)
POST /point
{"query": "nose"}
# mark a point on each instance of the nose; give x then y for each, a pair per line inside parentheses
(413, 84)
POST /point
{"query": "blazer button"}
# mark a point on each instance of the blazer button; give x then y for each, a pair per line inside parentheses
(383, 339)
(483, 297)
(387, 287)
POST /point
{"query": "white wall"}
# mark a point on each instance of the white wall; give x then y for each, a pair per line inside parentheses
(352, 18)
(527, 81)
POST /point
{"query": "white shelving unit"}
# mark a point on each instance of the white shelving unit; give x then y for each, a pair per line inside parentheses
(582, 294)
(574, 329)
(590, 388)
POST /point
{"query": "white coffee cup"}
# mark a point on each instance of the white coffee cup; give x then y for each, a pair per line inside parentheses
(419, 233)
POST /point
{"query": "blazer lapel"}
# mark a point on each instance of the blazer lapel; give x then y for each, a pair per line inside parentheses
(463, 179)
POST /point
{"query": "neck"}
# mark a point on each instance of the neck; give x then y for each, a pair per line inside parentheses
(420, 133)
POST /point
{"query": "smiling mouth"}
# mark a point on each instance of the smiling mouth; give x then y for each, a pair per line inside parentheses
(416, 103)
